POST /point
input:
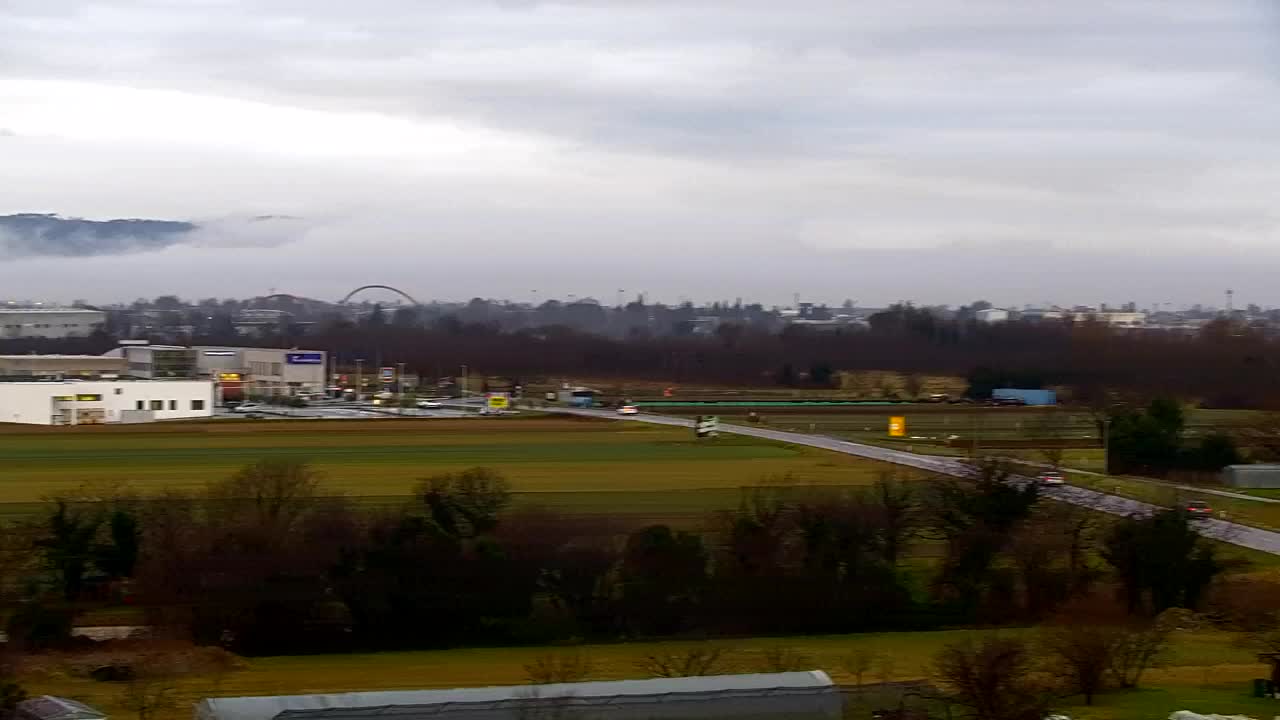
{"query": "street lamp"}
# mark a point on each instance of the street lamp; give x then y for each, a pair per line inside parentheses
(359, 377)
(400, 384)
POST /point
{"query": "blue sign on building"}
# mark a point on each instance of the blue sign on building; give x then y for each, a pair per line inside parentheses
(304, 358)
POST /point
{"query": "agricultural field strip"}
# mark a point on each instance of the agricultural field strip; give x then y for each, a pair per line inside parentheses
(1248, 537)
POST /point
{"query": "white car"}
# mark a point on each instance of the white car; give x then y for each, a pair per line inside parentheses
(249, 408)
(428, 404)
(628, 410)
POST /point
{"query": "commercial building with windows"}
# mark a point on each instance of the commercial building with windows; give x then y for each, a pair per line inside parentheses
(157, 362)
(42, 322)
(238, 371)
(75, 402)
(263, 371)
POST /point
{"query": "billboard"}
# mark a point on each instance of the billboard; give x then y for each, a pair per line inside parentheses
(304, 358)
(897, 426)
(387, 374)
(497, 401)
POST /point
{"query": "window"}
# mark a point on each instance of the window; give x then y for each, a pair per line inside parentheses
(157, 404)
(275, 368)
(119, 391)
(140, 405)
(197, 404)
(173, 404)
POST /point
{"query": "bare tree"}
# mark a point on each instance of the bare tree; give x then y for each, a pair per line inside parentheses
(270, 494)
(993, 679)
(779, 659)
(1140, 647)
(1051, 429)
(158, 676)
(860, 661)
(11, 693)
(565, 667)
(691, 662)
(1081, 655)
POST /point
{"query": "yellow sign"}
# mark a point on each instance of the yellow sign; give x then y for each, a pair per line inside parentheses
(498, 402)
(897, 426)
(230, 377)
(88, 398)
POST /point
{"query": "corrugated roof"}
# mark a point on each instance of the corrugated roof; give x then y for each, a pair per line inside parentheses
(647, 693)
(49, 707)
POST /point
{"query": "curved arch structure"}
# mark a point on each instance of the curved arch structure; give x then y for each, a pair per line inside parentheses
(286, 296)
(362, 288)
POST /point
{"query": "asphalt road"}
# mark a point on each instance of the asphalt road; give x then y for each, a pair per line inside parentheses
(1243, 535)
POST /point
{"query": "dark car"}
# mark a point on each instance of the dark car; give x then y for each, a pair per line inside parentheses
(1198, 509)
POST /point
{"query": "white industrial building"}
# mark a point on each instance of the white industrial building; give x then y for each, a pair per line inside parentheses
(992, 315)
(75, 402)
(49, 322)
(782, 696)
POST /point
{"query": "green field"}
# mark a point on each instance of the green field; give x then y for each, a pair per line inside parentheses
(579, 464)
(1207, 672)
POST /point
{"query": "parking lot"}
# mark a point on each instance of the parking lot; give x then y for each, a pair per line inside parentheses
(348, 411)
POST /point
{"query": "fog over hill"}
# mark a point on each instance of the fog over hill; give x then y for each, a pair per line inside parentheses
(30, 235)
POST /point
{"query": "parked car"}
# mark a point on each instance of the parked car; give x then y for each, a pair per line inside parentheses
(428, 404)
(249, 408)
(628, 410)
(1198, 509)
(1051, 477)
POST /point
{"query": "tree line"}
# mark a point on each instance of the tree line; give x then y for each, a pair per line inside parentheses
(263, 563)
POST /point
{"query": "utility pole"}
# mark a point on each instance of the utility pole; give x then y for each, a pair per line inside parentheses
(1106, 445)
(359, 377)
(464, 383)
(400, 386)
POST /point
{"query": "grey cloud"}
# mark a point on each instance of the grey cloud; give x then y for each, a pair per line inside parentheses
(748, 128)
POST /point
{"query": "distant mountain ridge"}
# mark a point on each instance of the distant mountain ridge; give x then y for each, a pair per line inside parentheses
(49, 235)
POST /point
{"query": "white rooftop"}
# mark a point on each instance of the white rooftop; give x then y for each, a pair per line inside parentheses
(9, 309)
(51, 357)
(268, 707)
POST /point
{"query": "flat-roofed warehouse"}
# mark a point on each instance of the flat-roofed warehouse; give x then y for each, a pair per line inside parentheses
(773, 696)
(49, 322)
(78, 366)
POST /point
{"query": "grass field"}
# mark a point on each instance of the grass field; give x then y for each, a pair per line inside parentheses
(1206, 672)
(581, 464)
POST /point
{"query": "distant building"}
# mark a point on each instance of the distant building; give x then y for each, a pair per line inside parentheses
(49, 322)
(1114, 318)
(992, 315)
(95, 402)
(1252, 476)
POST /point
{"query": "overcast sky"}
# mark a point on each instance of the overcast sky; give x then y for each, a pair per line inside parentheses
(1016, 150)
